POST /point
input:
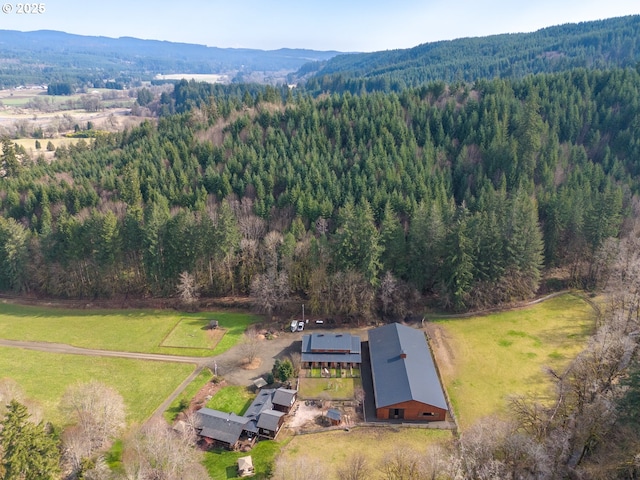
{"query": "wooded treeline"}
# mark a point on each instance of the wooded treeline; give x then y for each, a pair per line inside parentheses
(601, 44)
(462, 193)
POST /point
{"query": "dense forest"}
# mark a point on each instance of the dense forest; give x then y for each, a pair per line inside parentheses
(601, 44)
(46, 56)
(465, 195)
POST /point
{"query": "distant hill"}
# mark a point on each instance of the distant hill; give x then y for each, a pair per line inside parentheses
(44, 56)
(600, 44)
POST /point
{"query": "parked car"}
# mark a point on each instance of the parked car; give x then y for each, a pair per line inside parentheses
(294, 325)
(300, 326)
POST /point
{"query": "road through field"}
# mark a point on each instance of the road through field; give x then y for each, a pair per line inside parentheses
(70, 349)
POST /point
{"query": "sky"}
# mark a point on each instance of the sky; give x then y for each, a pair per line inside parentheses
(343, 25)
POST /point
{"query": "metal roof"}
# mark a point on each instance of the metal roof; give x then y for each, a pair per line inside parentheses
(402, 367)
(284, 397)
(331, 347)
(269, 420)
(334, 414)
(221, 426)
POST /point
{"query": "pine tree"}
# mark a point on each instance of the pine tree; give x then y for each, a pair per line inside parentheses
(29, 452)
(457, 268)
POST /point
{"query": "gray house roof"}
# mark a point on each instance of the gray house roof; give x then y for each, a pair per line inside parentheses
(260, 404)
(221, 426)
(284, 397)
(331, 347)
(403, 368)
(269, 420)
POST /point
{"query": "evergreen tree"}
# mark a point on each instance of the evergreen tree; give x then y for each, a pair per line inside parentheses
(457, 269)
(29, 452)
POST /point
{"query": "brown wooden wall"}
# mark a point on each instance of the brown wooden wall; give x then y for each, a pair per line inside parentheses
(413, 411)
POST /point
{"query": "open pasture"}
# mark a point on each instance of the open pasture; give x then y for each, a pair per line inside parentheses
(334, 448)
(486, 359)
(122, 330)
(45, 376)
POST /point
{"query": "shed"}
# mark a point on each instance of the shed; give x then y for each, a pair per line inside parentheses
(334, 416)
(260, 382)
(245, 466)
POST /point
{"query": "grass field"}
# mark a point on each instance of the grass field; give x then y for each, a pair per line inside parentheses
(333, 448)
(175, 408)
(45, 376)
(336, 388)
(221, 464)
(123, 330)
(193, 333)
(232, 399)
(503, 354)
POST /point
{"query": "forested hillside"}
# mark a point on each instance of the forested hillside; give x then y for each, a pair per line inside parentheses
(463, 194)
(601, 44)
(48, 56)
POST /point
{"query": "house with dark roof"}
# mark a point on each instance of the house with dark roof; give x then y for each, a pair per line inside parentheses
(262, 419)
(220, 427)
(269, 423)
(284, 399)
(405, 381)
(331, 350)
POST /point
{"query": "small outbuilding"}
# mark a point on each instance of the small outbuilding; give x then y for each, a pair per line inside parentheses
(334, 416)
(245, 466)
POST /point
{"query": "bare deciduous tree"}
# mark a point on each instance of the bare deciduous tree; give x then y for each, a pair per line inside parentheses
(250, 345)
(187, 288)
(296, 361)
(402, 464)
(156, 452)
(98, 413)
(270, 290)
(11, 390)
(301, 468)
(355, 468)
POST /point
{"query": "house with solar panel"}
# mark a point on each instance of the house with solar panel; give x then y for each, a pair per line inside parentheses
(406, 384)
(331, 350)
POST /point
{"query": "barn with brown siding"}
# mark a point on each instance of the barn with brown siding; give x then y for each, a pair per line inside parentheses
(405, 381)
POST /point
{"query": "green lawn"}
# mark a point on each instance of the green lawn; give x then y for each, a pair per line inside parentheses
(124, 330)
(503, 354)
(221, 464)
(175, 408)
(193, 333)
(233, 399)
(45, 377)
(337, 388)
